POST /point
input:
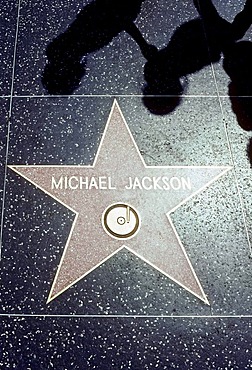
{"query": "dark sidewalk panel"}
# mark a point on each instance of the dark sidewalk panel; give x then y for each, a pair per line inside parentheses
(117, 68)
(68, 130)
(222, 45)
(39, 21)
(58, 131)
(4, 106)
(126, 343)
(191, 134)
(8, 21)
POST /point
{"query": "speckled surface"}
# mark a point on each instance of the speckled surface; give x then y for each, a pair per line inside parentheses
(227, 10)
(127, 344)
(125, 314)
(115, 69)
(4, 106)
(8, 25)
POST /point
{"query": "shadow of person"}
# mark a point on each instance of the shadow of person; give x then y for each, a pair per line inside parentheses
(186, 53)
(94, 27)
(237, 63)
(193, 45)
(249, 151)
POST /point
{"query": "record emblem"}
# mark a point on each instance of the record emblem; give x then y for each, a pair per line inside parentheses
(121, 221)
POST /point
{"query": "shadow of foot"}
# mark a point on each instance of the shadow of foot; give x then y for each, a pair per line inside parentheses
(163, 90)
(63, 78)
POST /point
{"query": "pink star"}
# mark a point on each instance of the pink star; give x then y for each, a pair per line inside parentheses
(119, 202)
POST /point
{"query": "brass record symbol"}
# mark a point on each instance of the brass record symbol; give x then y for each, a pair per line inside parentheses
(121, 221)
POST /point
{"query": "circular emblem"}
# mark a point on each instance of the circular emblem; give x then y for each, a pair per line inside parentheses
(121, 221)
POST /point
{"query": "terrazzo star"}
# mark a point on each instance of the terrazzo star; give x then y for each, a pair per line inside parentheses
(108, 220)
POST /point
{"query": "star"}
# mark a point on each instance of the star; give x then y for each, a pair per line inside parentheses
(120, 202)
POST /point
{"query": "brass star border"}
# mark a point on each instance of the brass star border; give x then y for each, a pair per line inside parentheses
(119, 202)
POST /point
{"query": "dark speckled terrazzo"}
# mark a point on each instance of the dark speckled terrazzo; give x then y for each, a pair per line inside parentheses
(46, 130)
(228, 12)
(68, 131)
(8, 21)
(126, 343)
(125, 314)
(115, 69)
(3, 143)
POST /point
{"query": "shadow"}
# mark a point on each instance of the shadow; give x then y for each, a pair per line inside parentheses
(237, 64)
(193, 46)
(94, 27)
(188, 51)
(249, 151)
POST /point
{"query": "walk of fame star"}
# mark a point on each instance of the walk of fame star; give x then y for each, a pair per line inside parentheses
(119, 202)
